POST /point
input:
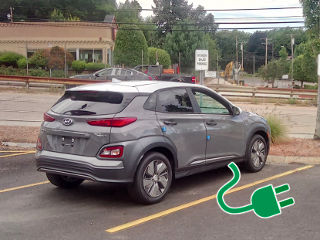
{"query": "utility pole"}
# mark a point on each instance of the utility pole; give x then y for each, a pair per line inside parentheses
(218, 75)
(242, 56)
(292, 58)
(27, 58)
(11, 14)
(317, 131)
(65, 60)
(179, 64)
(254, 64)
(266, 61)
(235, 72)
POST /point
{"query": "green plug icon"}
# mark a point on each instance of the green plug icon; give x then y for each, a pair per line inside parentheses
(264, 202)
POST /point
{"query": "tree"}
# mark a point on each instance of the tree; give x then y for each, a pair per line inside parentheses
(57, 16)
(213, 52)
(298, 69)
(129, 45)
(282, 38)
(226, 41)
(53, 58)
(185, 42)
(159, 55)
(56, 58)
(169, 12)
(86, 10)
(311, 11)
(129, 16)
(150, 32)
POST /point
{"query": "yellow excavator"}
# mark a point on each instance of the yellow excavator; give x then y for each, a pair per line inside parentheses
(227, 74)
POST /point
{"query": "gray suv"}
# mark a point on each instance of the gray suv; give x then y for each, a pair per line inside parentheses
(146, 134)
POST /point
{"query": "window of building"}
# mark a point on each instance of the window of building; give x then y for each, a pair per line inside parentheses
(91, 55)
(73, 52)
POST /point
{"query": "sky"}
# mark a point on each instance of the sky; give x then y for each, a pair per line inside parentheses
(232, 4)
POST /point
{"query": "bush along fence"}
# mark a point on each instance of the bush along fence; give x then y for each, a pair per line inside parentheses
(51, 62)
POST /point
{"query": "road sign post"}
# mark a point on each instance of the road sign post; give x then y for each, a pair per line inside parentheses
(317, 131)
(202, 63)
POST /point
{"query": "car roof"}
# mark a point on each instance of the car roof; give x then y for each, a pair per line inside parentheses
(146, 87)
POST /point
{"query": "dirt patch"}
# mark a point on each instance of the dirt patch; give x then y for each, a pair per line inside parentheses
(19, 134)
(292, 147)
(297, 147)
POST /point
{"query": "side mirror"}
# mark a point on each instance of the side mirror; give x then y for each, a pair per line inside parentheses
(97, 75)
(236, 111)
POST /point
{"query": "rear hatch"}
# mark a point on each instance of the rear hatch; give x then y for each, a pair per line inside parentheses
(68, 126)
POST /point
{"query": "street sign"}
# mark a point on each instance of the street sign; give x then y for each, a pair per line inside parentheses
(210, 74)
(319, 65)
(202, 60)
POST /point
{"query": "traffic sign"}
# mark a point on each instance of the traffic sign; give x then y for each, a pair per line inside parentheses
(202, 60)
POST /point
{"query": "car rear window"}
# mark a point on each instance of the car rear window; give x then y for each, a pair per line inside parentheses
(79, 103)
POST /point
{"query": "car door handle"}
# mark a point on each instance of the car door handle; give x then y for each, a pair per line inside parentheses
(172, 123)
(211, 123)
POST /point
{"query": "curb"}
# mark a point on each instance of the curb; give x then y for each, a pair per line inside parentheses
(293, 159)
(21, 145)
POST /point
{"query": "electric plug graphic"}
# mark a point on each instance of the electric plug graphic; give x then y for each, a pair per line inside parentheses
(264, 202)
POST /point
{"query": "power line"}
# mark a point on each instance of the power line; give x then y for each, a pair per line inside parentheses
(204, 30)
(214, 10)
(194, 10)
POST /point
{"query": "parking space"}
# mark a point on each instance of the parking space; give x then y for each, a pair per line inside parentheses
(30, 208)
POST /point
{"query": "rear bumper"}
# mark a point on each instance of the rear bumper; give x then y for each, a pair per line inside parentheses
(89, 168)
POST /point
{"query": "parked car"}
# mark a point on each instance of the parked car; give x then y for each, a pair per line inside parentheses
(145, 134)
(118, 73)
(156, 71)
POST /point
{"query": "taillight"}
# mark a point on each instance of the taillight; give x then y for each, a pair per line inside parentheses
(193, 79)
(111, 152)
(39, 144)
(48, 118)
(112, 122)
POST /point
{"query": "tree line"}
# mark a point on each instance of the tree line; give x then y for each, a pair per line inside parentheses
(178, 28)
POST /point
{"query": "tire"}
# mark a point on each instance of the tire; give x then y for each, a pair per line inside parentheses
(64, 181)
(151, 186)
(256, 154)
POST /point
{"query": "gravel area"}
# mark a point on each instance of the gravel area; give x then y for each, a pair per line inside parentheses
(19, 134)
(297, 147)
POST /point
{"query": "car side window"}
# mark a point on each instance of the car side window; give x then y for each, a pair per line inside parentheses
(209, 105)
(106, 72)
(174, 101)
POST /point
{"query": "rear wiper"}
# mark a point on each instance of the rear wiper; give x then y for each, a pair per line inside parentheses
(80, 112)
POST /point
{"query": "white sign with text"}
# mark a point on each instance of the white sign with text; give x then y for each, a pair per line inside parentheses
(202, 60)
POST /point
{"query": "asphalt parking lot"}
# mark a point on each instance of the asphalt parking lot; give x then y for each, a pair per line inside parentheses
(30, 208)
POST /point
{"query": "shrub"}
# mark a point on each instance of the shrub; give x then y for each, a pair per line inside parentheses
(12, 71)
(94, 66)
(292, 101)
(163, 57)
(311, 87)
(10, 59)
(58, 73)
(278, 130)
(78, 66)
(56, 58)
(38, 73)
(39, 59)
(22, 63)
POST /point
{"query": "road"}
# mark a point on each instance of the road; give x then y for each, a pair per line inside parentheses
(26, 109)
(30, 208)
